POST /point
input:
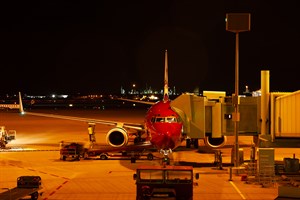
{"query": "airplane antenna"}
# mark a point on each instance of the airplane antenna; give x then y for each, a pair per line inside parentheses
(166, 84)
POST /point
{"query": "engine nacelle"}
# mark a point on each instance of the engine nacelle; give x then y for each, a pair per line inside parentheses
(117, 137)
(215, 142)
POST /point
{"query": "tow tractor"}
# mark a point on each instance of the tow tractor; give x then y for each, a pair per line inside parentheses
(164, 182)
(27, 186)
(6, 136)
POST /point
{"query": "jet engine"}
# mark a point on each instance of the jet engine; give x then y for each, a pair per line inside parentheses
(215, 142)
(117, 137)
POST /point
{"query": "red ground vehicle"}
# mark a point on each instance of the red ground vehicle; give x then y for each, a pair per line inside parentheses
(164, 182)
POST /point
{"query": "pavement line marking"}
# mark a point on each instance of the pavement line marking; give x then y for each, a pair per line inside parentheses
(54, 175)
(58, 187)
(237, 189)
(30, 169)
(53, 192)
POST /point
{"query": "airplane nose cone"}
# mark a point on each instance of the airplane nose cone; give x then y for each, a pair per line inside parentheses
(167, 138)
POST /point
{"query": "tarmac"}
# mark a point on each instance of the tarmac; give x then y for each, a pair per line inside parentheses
(36, 152)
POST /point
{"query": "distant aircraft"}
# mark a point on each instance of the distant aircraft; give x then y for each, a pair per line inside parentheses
(162, 126)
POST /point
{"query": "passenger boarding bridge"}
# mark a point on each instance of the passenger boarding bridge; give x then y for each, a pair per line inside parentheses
(270, 118)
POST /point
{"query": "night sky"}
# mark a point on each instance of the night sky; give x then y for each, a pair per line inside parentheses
(99, 46)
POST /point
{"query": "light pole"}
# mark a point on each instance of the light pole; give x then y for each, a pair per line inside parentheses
(237, 22)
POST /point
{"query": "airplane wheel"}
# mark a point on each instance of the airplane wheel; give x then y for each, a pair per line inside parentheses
(196, 144)
(136, 140)
(150, 156)
(188, 143)
(133, 159)
(166, 160)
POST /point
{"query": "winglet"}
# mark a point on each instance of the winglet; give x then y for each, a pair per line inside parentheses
(21, 109)
(166, 82)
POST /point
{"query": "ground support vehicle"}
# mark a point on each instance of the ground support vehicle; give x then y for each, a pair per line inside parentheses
(76, 151)
(73, 151)
(27, 186)
(107, 152)
(6, 136)
(104, 155)
(164, 182)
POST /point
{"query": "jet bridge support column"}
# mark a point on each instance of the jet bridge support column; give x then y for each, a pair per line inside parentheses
(265, 92)
(264, 136)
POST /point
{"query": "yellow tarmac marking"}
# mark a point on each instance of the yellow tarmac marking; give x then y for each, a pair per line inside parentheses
(237, 189)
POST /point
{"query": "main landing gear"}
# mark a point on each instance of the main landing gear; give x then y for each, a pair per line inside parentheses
(138, 138)
(192, 141)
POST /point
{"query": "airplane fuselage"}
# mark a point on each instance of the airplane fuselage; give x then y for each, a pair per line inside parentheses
(163, 126)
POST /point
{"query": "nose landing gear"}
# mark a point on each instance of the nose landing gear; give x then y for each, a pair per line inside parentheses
(166, 159)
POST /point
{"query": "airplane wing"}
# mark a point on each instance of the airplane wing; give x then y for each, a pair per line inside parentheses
(129, 125)
(135, 126)
(118, 136)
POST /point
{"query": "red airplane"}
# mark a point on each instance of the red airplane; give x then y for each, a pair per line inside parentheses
(162, 126)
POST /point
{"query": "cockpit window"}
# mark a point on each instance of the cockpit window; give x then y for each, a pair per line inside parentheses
(169, 119)
(159, 119)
